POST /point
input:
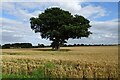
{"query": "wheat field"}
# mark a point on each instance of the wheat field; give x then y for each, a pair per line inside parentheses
(69, 62)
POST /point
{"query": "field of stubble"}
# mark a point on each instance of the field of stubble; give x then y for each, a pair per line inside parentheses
(69, 62)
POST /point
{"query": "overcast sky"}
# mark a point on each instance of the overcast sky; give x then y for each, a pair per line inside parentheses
(15, 17)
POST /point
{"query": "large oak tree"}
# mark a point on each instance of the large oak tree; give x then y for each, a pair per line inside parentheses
(59, 25)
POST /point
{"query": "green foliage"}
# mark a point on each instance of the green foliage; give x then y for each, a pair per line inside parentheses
(50, 65)
(38, 73)
(58, 25)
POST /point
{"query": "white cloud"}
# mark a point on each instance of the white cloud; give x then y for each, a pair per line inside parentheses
(74, 7)
(14, 10)
(106, 30)
(14, 31)
(19, 29)
(58, 0)
(14, 26)
(35, 13)
(21, 9)
(9, 21)
(4, 30)
(95, 11)
(10, 7)
(105, 26)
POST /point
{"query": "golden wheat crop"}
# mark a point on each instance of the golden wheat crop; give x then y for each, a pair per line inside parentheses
(76, 62)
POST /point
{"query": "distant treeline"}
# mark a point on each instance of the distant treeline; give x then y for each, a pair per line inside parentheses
(29, 45)
(69, 45)
(17, 45)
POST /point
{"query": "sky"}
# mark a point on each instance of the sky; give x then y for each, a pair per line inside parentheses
(15, 17)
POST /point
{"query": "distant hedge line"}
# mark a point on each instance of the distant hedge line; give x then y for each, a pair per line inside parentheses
(29, 45)
(17, 45)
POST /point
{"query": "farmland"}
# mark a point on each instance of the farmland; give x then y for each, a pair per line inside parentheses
(69, 62)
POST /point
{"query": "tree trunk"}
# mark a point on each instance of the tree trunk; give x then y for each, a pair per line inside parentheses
(55, 45)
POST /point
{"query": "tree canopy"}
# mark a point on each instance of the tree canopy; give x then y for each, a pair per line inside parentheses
(59, 25)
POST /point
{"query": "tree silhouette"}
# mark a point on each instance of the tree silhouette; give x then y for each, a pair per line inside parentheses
(59, 25)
